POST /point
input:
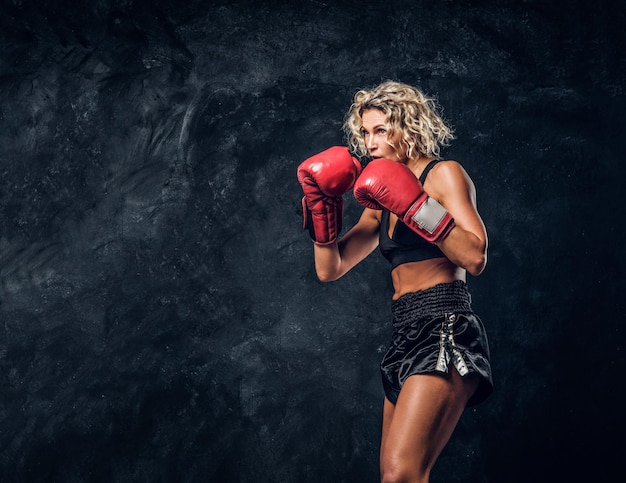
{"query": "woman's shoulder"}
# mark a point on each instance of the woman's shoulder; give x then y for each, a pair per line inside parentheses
(447, 166)
(448, 174)
(447, 169)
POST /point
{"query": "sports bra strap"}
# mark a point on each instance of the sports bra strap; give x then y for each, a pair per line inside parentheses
(427, 169)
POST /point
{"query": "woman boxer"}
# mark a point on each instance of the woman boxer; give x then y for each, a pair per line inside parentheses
(421, 212)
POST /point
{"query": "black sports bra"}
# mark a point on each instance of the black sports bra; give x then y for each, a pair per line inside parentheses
(405, 245)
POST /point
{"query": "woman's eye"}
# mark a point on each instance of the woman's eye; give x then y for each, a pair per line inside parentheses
(382, 131)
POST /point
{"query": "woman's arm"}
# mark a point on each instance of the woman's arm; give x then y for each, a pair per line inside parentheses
(334, 261)
(466, 244)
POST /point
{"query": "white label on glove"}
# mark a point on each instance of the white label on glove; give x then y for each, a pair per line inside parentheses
(429, 215)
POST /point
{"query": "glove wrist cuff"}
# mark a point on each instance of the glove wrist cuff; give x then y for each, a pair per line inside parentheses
(429, 219)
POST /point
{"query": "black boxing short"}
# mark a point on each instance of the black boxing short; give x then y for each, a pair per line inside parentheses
(432, 329)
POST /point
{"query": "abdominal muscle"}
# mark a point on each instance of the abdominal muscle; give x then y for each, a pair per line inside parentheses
(414, 276)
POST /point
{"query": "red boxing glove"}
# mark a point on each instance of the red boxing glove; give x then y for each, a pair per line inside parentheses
(391, 185)
(324, 178)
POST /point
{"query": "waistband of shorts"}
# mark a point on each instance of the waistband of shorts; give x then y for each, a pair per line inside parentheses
(440, 299)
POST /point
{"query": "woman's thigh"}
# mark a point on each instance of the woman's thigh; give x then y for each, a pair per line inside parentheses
(418, 427)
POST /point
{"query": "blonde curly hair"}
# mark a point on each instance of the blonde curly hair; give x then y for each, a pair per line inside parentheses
(408, 111)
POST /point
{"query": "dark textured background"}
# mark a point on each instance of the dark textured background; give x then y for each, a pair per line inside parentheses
(160, 318)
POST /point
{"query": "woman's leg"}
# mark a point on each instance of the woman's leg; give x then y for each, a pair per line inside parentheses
(418, 427)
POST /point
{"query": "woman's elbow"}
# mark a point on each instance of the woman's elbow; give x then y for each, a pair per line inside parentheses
(477, 265)
(326, 276)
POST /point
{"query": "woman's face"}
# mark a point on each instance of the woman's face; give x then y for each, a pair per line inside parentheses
(375, 134)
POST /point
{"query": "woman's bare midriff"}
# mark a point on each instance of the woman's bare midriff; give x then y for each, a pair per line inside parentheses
(414, 276)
